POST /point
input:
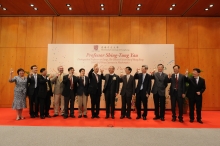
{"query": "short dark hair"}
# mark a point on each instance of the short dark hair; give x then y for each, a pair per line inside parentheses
(20, 69)
(42, 70)
(160, 64)
(33, 66)
(176, 66)
(197, 69)
(129, 68)
(81, 69)
(145, 66)
(70, 68)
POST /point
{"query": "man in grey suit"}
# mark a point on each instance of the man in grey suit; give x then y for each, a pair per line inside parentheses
(57, 80)
(158, 90)
(127, 91)
(177, 92)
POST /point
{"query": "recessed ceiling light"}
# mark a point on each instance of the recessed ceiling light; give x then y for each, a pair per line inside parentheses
(138, 9)
(31, 5)
(102, 5)
(173, 5)
(139, 5)
(70, 8)
(211, 5)
(206, 9)
(35, 9)
(4, 9)
(102, 9)
(68, 5)
(171, 9)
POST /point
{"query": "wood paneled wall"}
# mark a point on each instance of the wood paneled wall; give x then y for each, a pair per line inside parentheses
(24, 40)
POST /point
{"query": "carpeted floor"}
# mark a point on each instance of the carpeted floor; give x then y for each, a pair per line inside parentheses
(87, 136)
(210, 118)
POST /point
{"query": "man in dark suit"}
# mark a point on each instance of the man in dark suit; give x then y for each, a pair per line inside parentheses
(95, 87)
(111, 89)
(195, 90)
(32, 84)
(127, 91)
(158, 90)
(177, 92)
(142, 91)
(82, 93)
(44, 93)
(69, 92)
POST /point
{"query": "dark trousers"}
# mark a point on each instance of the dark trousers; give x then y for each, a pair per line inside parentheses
(126, 101)
(34, 103)
(110, 102)
(196, 100)
(95, 104)
(69, 100)
(45, 105)
(179, 100)
(159, 104)
(141, 97)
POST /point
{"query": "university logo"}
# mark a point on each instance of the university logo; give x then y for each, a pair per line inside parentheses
(96, 47)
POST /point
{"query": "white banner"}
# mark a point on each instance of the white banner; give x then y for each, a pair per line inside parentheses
(117, 55)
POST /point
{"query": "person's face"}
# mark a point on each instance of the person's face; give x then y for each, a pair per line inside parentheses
(71, 71)
(21, 73)
(195, 73)
(111, 70)
(82, 73)
(44, 73)
(143, 70)
(127, 71)
(96, 70)
(60, 69)
(34, 70)
(176, 70)
(160, 68)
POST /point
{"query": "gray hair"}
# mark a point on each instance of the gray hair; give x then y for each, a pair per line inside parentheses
(145, 66)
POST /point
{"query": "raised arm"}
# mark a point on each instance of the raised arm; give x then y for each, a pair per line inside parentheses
(11, 80)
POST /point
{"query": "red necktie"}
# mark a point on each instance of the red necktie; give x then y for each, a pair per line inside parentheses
(71, 83)
(176, 86)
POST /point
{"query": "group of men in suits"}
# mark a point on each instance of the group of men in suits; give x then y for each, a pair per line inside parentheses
(68, 86)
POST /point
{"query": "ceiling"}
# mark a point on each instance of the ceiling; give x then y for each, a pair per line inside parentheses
(182, 8)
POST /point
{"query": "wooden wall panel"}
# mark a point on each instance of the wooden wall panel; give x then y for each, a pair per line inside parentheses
(152, 30)
(39, 31)
(24, 41)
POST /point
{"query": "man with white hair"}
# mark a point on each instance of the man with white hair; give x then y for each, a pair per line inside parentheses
(57, 80)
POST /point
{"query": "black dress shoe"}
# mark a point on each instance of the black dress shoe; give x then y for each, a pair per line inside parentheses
(144, 118)
(48, 116)
(122, 117)
(72, 116)
(55, 115)
(156, 118)
(129, 117)
(173, 119)
(191, 121)
(181, 121)
(200, 121)
(97, 117)
(85, 116)
(32, 116)
(36, 115)
(93, 117)
(80, 116)
(106, 117)
(138, 117)
(42, 117)
(113, 117)
(65, 117)
(162, 119)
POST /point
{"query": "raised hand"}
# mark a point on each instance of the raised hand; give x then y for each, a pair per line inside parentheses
(138, 70)
(11, 71)
(102, 71)
(169, 75)
(187, 72)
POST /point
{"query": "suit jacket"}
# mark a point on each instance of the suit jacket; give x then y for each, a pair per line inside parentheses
(81, 88)
(114, 83)
(42, 93)
(94, 86)
(146, 83)
(160, 83)
(66, 82)
(58, 85)
(193, 87)
(128, 87)
(31, 84)
(181, 84)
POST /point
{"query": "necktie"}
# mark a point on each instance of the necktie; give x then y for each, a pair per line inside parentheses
(143, 76)
(176, 79)
(71, 83)
(48, 88)
(97, 78)
(83, 81)
(60, 78)
(197, 80)
(127, 78)
(35, 80)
